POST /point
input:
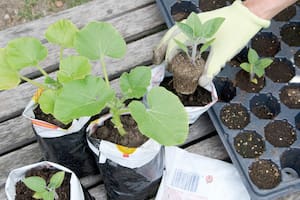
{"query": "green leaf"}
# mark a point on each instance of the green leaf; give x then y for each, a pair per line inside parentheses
(35, 183)
(73, 67)
(100, 38)
(206, 45)
(211, 26)
(25, 52)
(264, 62)
(252, 56)
(82, 97)
(135, 83)
(165, 121)
(181, 46)
(259, 71)
(48, 195)
(9, 78)
(57, 179)
(47, 101)
(186, 30)
(246, 67)
(194, 22)
(38, 195)
(62, 33)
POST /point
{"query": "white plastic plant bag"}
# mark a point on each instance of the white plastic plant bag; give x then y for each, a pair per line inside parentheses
(76, 192)
(189, 176)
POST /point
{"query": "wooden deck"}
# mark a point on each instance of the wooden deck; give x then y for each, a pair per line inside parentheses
(140, 22)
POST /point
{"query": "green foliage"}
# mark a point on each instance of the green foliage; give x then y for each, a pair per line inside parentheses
(40, 187)
(256, 65)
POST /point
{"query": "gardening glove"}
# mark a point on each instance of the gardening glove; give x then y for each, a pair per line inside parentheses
(239, 26)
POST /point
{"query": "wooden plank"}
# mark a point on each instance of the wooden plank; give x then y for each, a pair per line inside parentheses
(80, 15)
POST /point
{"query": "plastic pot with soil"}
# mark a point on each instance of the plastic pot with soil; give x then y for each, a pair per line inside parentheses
(39, 179)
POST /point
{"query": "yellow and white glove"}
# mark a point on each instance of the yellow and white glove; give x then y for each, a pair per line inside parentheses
(239, 26)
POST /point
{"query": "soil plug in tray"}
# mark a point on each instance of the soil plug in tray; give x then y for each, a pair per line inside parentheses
(259, 125)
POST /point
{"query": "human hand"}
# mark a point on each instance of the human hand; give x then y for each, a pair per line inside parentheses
(239, 26)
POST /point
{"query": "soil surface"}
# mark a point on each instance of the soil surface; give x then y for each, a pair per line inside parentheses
(242, 79)
(280, 71)
(265, 174)
(182, 9)
(249, 144)
(290, 96)
(208, 5)
(14, 12)
(264, 106)
(185, 73)
(266, 44)
(290, 33)
(133, 138)
(24, 193)
(200, 97)
(280, 133)
(286, 14)
(49, 118)
(235, 116)
(297, 58)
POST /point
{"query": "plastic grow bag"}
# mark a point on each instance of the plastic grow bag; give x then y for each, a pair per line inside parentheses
(128, 173)
(76, 190)
(67, 147)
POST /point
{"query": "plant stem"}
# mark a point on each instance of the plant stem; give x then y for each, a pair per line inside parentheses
(104, 70)
(42, 70)
(194, 51)
(39, 85)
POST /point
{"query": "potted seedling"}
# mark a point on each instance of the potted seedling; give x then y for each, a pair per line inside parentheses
(126, 141)
(61, 142)
(46, 181)
(188, 65)
(251, 78)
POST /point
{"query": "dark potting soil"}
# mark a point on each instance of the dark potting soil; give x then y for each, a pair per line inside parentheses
(280, 133)
(182, 9)
(24, 193)
(235, 116)
(185, 73)
(297, 58)
(225, 89)
(208, 5)
(266, 44)
(241, 57)
(286, 14)
(49, 118)
(249, 144)
(242, 79)
(133, 138)
(200, 97)
(280, 71)
(297, 121)
(290, 33)
(265, 174)
(264, 106)
(290, 96)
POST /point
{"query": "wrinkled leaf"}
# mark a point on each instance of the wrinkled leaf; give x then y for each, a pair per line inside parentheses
(246, 67)
(25, 52)
(185, 29)
(9, 78)
(47, 101)
(182, 46)
(211, 26)
(35, 183)
(57, 179)
(264, 62)
(194, 22)
(100, 38)
(252, 56)
(206, 45)
(135, 83)
(165, 121)
(62, 33)
(48, 195)
(82, 97)
(73, 67)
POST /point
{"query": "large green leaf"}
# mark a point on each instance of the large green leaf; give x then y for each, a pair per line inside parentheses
(57, 179)
(47, 101)
(48, 195)
(9, 78)
(73, 67)
(135, 83)
(165, 121)
(82, 97)
(35, 183)
(100, 39)
(62, 33)
(25, 52)
(194, 22)
(211, 26)
(264, 62)
(246, 66)
(182, 46)
(186, 29)
(252, 56)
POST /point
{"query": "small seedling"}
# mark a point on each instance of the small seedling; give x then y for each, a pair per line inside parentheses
(40, 187)
(255, 66)
(196, 32)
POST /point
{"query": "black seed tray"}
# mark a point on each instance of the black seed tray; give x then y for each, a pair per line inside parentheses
(287, 159)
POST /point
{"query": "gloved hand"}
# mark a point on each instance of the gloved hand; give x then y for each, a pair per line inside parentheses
(239, 26)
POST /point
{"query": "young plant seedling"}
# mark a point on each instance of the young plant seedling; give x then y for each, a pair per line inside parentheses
(255, 65)
(163, 119)
(197, 33)
(40, 187)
